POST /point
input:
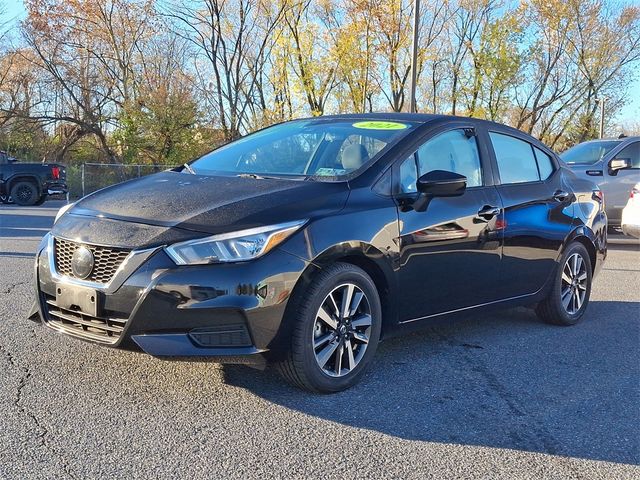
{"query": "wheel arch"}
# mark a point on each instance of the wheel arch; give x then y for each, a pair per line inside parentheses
(587, 238)
(23, 178)
(365, 256)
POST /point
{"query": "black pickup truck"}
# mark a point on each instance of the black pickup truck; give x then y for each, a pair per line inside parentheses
(30, 183)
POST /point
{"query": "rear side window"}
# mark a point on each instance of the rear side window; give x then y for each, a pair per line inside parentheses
(517, 162)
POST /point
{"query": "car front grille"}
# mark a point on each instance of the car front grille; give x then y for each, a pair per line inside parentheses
(99, 329)
(107, 260)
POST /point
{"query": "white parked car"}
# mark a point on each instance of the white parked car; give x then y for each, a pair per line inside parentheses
(631, 213)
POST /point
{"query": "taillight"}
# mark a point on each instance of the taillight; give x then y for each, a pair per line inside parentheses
(598, 195)
(634, 193)
(55, 173)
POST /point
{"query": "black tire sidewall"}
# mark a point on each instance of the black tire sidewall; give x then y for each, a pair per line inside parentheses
(34, 194)
(350, 274)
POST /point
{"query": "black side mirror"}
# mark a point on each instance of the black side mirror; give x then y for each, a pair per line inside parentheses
(619, 164)
(438, 183)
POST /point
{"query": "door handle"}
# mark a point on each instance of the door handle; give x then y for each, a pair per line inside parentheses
(488, 212)
(560, 195)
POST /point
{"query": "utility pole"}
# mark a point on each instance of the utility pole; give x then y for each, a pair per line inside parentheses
(602, 102)
(414, 56)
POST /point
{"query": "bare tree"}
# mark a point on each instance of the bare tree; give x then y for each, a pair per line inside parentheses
(231, 41)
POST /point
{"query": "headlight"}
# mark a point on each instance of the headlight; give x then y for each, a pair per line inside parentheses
(232, 247)
(62, 211)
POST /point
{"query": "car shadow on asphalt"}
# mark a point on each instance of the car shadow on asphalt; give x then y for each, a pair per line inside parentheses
(502, 380)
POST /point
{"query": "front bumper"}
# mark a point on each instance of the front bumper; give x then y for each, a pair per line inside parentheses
(218, 310)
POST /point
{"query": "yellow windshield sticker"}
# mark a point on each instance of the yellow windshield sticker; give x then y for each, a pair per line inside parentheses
(377, 125)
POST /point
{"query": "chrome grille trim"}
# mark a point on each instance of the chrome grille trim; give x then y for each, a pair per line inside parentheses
(126, 268)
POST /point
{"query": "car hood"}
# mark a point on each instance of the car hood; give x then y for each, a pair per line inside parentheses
(173, 206)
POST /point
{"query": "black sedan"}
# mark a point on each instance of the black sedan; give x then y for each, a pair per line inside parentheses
(306, 243)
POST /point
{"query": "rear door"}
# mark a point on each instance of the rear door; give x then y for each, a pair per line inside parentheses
(538, 211)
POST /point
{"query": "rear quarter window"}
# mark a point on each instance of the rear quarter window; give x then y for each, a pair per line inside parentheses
(545, 164)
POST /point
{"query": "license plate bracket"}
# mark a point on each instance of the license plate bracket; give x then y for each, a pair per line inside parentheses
(83, 299)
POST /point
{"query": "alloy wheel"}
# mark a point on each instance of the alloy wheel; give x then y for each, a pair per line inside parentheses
(341, 330)
(23, 193)
(574, 283)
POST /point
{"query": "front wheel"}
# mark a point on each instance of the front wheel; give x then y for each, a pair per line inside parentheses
(571, 289)
(336, 330)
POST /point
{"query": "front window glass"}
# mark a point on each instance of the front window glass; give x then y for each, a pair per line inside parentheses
(631, 152)
(452, 151)
(409, 175)
(588, 153)
(307, 148)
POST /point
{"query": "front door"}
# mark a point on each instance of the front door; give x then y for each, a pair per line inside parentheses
(616, 186)
(450, 252)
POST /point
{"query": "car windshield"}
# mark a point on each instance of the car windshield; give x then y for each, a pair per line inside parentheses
(306, 148)
(588, 153)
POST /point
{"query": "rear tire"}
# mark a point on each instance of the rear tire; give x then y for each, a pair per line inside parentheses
(569, 296)
(24, 193)
(336, 329)
(41, 200)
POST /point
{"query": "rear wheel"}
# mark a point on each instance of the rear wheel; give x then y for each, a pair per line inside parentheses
(571, 289)
(336, 331)
(41, 200)
(24, 193)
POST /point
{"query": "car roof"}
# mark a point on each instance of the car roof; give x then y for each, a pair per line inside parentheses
(407, 117)
(619, 140)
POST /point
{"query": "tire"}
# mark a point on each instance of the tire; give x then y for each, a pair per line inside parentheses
(24, 193)
(41, 200)
(569, 296)
(313, 337)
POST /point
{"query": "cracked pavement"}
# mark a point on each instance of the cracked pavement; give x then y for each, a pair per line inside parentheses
(495, 396)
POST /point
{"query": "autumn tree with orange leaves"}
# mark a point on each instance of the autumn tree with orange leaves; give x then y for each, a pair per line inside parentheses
(147, 81)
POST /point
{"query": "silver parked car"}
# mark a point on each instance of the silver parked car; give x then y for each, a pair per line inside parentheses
(614, 164)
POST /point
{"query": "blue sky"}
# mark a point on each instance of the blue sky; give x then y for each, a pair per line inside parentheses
(631, 112)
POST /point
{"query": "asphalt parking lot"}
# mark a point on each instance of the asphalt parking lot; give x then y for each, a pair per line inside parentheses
(497, 396)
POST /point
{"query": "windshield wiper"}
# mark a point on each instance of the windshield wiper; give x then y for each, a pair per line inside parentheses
(256, 176)
(250, 175)
(188, 168)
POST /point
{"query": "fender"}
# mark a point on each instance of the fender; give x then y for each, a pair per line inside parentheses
(596, 240)
(378, 265)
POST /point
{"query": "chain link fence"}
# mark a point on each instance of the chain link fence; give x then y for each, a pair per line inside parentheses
(89, 177)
